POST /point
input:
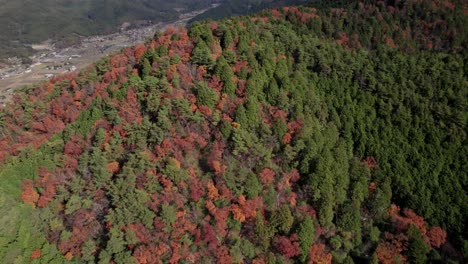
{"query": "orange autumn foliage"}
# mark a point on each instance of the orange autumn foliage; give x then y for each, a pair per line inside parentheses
(175, 162)
(213, 193)
(317, 255)
(259, 260)
(394, 245)
(292, 199)
(235, 125)
(287, 138)
(29, 195)
(205, 110)
(35, 254)
(113, 167)
(210, 207)
(69, 256)
(219, 168)
(237, 213)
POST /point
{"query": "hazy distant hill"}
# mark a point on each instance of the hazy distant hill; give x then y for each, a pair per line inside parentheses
(25, 21)
(243, 7)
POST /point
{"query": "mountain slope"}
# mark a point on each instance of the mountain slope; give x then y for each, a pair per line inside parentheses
(281, 137)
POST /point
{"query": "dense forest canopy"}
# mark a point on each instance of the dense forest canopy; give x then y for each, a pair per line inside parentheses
(315, 134)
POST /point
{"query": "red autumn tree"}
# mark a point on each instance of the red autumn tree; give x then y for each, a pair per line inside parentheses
(223, 255)
(196, 189)
(210, 237)
(130, 109)
(139, 51)
(437, 236)
(35, 254)
(391, 248)
(221, 217)
(287, 138)
(416, 220)
(287, 247)
(267, 176)
(370, 162)
(74, 147)
(48, 193)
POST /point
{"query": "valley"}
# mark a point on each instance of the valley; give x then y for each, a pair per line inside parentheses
(50, 60)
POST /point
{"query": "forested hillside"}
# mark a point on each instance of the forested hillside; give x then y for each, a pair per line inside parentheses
(319, 134)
